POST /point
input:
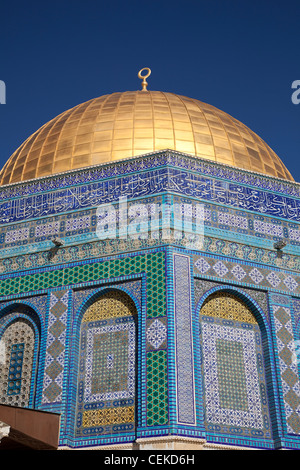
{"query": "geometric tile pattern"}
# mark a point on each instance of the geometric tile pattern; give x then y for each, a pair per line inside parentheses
(149, 263)
(245, 272)
(233, 371)
(229, 307)
(156, 334)
(113, 304)
(119, 419)
(107, 366)
(296, 310)
(132, 287)
(226, 386)
(231, 374)
(184, 340)
(157, 387)
(229, 338)
(288, 367)
(153, 264)
(55, 348)
(80, 296)
(212, 245)
(106, 361)
(16, 369)
(202, 286)
(220, 269)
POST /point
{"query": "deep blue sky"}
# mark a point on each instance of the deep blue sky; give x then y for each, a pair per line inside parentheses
(238, 55)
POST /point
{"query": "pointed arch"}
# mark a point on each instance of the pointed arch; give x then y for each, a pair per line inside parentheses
(95, 295)
(251, 303)
(235, 359)
(106, 365)
(20, 333)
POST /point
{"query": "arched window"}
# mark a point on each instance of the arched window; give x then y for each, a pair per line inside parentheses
(107, 367)
(233, 372)
(18, 344)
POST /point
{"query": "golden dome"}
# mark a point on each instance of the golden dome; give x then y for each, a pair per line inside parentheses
(131, 123)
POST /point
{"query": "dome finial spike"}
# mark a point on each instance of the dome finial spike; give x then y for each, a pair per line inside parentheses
(143, 77)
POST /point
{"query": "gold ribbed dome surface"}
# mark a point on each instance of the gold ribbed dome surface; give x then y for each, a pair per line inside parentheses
(131, 123)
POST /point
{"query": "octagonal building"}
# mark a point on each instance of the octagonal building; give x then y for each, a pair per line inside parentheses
(150, 285)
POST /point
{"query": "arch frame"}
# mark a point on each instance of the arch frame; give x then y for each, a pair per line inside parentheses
(267, 350)
(34, 318)
(74, 346)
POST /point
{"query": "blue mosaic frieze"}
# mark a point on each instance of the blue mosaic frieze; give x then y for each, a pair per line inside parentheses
(141, 184)
(106, 248)
(147, 162)
(84, 196)
(80, 226)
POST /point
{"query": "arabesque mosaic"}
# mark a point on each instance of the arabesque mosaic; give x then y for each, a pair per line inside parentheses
(150, 337)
